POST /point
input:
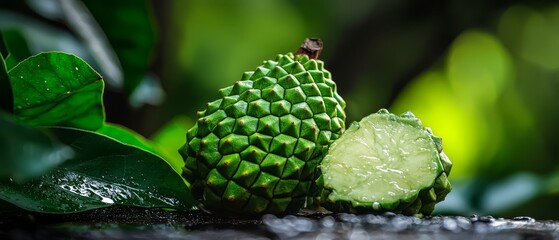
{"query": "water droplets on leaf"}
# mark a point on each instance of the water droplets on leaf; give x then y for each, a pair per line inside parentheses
(104, 190)
(107, 200)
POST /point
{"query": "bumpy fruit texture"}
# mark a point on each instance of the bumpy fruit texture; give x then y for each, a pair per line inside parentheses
(257, 148)
(385, 163)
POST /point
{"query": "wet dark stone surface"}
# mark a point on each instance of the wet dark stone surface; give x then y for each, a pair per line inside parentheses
(137, 223)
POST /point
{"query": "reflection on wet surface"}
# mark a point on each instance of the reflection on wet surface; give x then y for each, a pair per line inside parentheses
(135, 223)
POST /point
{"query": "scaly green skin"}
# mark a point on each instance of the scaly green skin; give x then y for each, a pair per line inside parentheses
(256, 150)
(422, 202)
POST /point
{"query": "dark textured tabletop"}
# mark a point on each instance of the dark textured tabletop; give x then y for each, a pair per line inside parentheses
(137, 223)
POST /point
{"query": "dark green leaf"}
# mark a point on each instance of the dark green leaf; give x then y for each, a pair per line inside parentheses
(57, 89)
(127, 136)
(16, 47)
(6, 96)
(103, 172)
(27, 152)
(6, 208)
(3, 46)
(129, 27)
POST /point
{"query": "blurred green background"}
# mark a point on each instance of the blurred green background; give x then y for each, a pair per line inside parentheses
(483, 75)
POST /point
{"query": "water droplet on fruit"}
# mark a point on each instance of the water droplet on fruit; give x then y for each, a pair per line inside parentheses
(376, 205)
(76, 68)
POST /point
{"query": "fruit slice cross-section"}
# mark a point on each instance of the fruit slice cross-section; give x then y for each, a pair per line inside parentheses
(383, 163)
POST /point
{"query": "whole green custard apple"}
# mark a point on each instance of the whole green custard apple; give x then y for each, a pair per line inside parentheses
(257, 148)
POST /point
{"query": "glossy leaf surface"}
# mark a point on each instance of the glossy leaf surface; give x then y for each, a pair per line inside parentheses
(103, 172)
(57, 89)
(127, 136)
(27, 152)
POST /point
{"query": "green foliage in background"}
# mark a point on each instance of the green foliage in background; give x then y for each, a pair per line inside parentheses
(490, 100)
(170, 138)
(129, 28)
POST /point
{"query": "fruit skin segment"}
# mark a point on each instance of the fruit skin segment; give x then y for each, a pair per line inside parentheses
(421, 200)
(257, 148)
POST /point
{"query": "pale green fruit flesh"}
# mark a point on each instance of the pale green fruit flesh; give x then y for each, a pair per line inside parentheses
(385, 163)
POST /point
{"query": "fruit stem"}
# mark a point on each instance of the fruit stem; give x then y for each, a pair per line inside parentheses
(310, 47)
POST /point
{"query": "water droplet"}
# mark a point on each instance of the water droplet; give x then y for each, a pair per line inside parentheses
(375, 219)
(107, 200)
(19, 107)
(21, 77)
(11, 180)
(48, 89)
(524, 219)
(76, 68)
(359, 233)
(400, 223)
(38, 65)
(450, 225)
(376, 205)
(328, 222)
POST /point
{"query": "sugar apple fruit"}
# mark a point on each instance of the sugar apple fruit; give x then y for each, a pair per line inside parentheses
(384, 163)
(257, 148)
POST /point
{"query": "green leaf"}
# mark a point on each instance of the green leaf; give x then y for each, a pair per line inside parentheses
(6, 95)
(7, 209)
(16, 47)
(129, 27)
(57, 89)
(103, 172)
(28, 152)
(3, 47)
(127, 136)
(170, 138)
